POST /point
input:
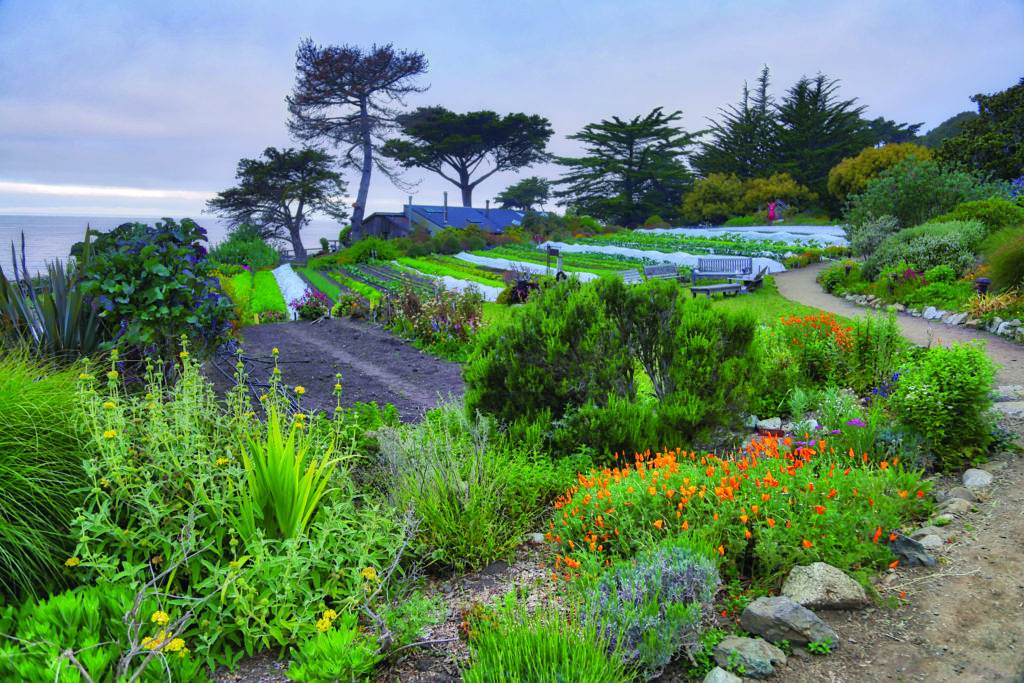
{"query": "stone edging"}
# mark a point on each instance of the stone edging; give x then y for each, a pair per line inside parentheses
(1010, 329)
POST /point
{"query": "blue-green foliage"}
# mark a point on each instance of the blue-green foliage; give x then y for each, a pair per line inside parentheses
(953, 244)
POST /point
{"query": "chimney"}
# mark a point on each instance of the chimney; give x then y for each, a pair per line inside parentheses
(487, 210)
(446, 209)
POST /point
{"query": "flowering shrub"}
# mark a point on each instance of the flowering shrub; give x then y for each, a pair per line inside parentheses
(652, 607)
(312, 305)
(775, 504)
(445, 315)
(819, 344)
(945, 397)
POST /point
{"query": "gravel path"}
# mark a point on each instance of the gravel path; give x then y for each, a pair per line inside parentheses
(291, 285)
(800, 285)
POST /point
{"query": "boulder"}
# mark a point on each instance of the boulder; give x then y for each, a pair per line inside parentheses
(955, 319)
(1010, 408)
(757, 657)
(929, 313)
(1005, 329)
(779, 618)
(961, 492)
(994, 324)
(929, 531)
(720, 675)
(770, 423)
(910, 553)
(931, 541)
(977, 479)
(822, 586)
(956, 506)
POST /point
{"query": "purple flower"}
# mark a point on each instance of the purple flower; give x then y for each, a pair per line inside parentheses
(837, 431)
(856, 422)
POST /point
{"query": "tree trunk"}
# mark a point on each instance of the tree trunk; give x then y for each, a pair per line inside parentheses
(359, 208)
(467, 189)
(296, 238)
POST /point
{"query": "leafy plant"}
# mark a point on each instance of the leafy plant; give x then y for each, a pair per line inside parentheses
(820, 647)
(514, 646)
(311, 305)
(852, 175)
(156, 288)
(341, 652)
(944, 395)
(952, 244)
(875, 351)
(41, 477)
(1005, 255)
(996, 213)
(245, 246)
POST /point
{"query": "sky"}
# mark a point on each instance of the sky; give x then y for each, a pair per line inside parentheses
(145, 107)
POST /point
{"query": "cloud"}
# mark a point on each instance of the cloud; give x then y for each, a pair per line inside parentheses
(20, 188)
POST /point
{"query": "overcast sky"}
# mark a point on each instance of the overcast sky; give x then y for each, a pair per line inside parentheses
(144, 107)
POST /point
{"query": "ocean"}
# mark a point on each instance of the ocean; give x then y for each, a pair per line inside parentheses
(50, 237)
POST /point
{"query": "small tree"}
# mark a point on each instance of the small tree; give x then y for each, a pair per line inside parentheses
(715, 198)
(459, 146)
(346, 96)
(280, 191)
(757, 192)
(526, 194)
(743, 140)
(852, 175)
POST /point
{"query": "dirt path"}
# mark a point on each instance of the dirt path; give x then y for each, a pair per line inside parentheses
(800, 285)
(375, 365)
(963, 619)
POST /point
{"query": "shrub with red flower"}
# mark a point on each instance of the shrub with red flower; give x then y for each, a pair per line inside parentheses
(819, 343)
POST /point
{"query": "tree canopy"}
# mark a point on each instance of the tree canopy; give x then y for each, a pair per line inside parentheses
(526, 194)
(346, 96)
(279, 191)
(993, 142)
(467, 149)
(946, 129)
(852, 175)
(631, 168)
(743, 141)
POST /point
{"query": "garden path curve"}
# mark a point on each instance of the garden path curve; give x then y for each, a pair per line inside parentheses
(801, 285)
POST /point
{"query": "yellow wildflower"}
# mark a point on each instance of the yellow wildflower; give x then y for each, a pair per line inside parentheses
(108, 405)
(110, 434)
(263, 397)
(113, 374)
(300, 390)
(330, 614)
(222, 461)
(369, 573)
(160, 618)
(72, 562)
(274, 351)
(323, 625)
(176, 645)
(183, 355)
(85, 376)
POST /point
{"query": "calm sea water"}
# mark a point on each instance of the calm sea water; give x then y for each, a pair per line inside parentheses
(50, 237)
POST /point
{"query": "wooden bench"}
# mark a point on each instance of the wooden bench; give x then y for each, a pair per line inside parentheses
(631, 276)
(722, 268)
(731, 288)
(664, 272)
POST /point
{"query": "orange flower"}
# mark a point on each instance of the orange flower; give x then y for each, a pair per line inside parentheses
(747, 534)
(686, 525)
(651, 490)
(892, 536)
(806, 544)
(770, 522)
(904, 494)
(884, 465)
(754, 509)
(820, 509)
(920, 494)
(894, 564)
(658, 523)
(721, 550)
(743, 519)
(903, 595)
(765, 497)
(878, 535)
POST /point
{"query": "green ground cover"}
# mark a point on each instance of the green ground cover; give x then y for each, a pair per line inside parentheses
(457, 268)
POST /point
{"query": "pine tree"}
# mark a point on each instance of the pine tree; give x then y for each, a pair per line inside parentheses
(743, 141)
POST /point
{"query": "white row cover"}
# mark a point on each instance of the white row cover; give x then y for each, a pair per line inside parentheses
(291, 285)
(679, 258)
(795, 235)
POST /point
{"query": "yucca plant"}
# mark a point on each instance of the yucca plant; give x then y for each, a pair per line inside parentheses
(51, 315)
(285, 482)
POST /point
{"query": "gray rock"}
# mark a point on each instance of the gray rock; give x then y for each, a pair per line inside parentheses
(899, 307)
(1015, 322)
(910, 553)
(1004, 329)
(779, 618)
(931, 542)
(962, 492)
(942, 520)
(1008, 392)
(535, 538)
(994, 324)
(770, 423)
(720, 675)
(993, 467)
(757, 657)
(973, 322)
(822, 586)
(956, 506)
(1010, 408)
(930, 313)
(955, 319)
(751, 422)
(977, 479)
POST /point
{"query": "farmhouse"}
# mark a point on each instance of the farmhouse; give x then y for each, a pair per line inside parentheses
(389, 225)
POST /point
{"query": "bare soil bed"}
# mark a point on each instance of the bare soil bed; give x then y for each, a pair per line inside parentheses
(375, 365)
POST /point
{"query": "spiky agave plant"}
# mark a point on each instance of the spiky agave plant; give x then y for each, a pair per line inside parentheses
(51, 315)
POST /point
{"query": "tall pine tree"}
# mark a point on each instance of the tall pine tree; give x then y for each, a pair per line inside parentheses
(817, 130)
(743, 141)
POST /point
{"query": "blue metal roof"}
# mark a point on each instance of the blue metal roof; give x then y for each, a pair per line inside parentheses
(493, 220)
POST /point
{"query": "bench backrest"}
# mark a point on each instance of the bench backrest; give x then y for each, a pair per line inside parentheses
(630, 276)
(731, 264)
(661, 271)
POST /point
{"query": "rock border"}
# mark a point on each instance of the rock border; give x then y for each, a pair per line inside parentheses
(1009, 329)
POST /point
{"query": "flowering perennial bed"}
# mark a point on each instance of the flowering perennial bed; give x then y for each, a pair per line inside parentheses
(774, 504)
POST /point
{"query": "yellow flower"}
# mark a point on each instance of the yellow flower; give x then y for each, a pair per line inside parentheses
(149, 397)
(113, 374)
(104, 482)
(330, 614)
(183, 355)
(274, 351)
(300, 390)
(176, 645)
(323, 625)
(370, 574)
(263, 397)
(108, 405)
(222, 461)
(337, 387)
(160, 618)
(85, 376)
(110, 434)
(72, 562)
